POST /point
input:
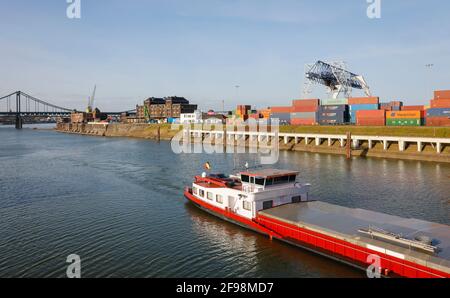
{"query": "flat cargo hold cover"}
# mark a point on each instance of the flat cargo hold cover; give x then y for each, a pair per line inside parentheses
(344, 223)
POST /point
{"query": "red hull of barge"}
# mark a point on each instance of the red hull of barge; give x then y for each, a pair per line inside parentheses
(319, 243)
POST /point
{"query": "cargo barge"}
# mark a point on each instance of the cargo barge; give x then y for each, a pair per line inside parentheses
(274, 203)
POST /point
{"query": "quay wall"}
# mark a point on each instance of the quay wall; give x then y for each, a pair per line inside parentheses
(164, 132)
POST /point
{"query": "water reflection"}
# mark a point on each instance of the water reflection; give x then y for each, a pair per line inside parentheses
(249, 254)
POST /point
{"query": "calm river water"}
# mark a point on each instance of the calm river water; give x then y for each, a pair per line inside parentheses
(118, 203)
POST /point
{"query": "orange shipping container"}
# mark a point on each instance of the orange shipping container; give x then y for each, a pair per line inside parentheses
(413, 108)
(363, 100)
(438, 121)
(440, 103)
(442, 94)
(296, 109)
(306, 102)
(371, 114)
(371, 118)
(265, 113)
(303, 121)
(281, 109)
(405, 114)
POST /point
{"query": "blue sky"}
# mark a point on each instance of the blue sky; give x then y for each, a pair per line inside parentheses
(202, 49)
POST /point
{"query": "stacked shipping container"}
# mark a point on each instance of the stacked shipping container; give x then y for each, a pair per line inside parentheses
(304, 111)
(361, 111)
(405, 118)
(334, 101)
(362, 104)
(371, 117)
(265, 113)
(413, 108)
(332, 114)
(439, 113)
(281, 113)
(391, 106)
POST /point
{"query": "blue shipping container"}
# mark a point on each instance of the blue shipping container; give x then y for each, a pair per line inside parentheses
(365, 107)
(333, 108)
(333, 117)
(438, 112)
(304, 115)
(283, 117)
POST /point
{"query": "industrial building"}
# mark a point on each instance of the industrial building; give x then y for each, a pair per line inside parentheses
(164, 109)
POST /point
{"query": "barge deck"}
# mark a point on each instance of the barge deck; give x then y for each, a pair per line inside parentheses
(337, 230)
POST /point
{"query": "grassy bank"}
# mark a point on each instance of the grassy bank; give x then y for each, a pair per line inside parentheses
(394, 131)
(428, 132)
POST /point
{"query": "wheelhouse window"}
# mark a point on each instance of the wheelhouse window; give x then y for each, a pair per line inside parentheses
(296, 199)
(245, 178)
(247, 205)
(202, 193)
(281, 180)
(260, 181)
(194, 190)
(267, 205)
(219, 199)
(209, 195)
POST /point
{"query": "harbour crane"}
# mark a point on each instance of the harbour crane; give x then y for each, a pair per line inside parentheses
(335, 77)
(90, 107)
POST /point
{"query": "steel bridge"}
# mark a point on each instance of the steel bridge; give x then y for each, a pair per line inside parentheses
(20, 105)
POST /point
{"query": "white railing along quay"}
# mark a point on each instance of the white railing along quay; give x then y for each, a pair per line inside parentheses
(437, 143)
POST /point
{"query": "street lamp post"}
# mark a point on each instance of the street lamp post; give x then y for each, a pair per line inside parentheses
(429, 76)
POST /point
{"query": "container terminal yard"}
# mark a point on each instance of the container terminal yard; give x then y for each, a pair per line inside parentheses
(333, 111)
(389, 129)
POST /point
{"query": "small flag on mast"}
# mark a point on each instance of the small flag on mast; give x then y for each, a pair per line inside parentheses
(207, 166)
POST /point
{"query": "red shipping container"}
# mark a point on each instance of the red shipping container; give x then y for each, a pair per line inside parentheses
(442, 94)
(281, 109)
(396, 103)
(440, 103)
(371, 114)
(413, 108)
(306, 102)
(296, 109)
(438, 121)
(363, 100)
(371, 118)
(303, 121)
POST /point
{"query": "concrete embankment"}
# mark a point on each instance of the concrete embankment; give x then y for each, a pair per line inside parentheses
(410, 153)
(164, 132)
(145, 131)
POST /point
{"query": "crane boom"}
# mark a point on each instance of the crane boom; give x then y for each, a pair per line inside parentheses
(90, 106)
